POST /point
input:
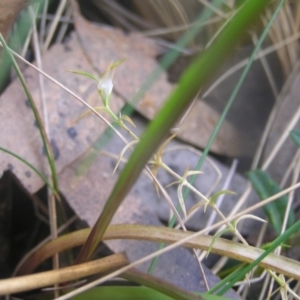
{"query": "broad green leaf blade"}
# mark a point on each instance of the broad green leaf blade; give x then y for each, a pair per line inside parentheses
(295, 136)
(265, 188)
(122, 293)
(130, 293)
(193, 78)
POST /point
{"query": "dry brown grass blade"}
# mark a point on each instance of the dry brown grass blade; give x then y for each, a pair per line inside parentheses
(222, 247)
(286, 25)
(44, 279)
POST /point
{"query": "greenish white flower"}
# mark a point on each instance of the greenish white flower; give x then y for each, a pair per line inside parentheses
(105, 86)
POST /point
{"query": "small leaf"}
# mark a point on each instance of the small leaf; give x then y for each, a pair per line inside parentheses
(86, 74)
(196, 206)
(248, 216)
(216, 236)
(295, 136)
(161, 148)
(190, 173)
(98, 109)
(215, 196)
(127, 119)
(265, 188)
(130, 144)
(181, 201)
(116, 63)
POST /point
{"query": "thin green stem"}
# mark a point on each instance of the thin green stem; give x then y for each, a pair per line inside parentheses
(42, 176)
(228, 282)
(43, 134)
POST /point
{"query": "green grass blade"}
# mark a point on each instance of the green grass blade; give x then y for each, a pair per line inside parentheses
(222, 283)
(194, 77)
(295, 136)
(43, 134)
(277, 242)
(86, 74)
(265, 188)
(42, 176)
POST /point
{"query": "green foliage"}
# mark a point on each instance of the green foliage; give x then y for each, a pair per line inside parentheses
(42, 176)
(265, 188)
(193, 78)
(223, 116)
(230, 266)
(122, 293)
(238, 274)
(46, 143)
(130, 293)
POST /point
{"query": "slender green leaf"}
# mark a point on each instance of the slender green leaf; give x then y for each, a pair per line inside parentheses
(295, 136)
(230, 266)
(86, 74)
(229, 281)
(217, 236)
(225, 281)
(215, 196)
(193, 78)
(42, 176)
(46, 143)
(265, 188)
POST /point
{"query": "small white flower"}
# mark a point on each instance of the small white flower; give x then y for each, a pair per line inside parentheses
(105, 86)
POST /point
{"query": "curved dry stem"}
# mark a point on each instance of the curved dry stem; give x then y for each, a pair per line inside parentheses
(44, 279)
(282, 265)
(104, 265)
